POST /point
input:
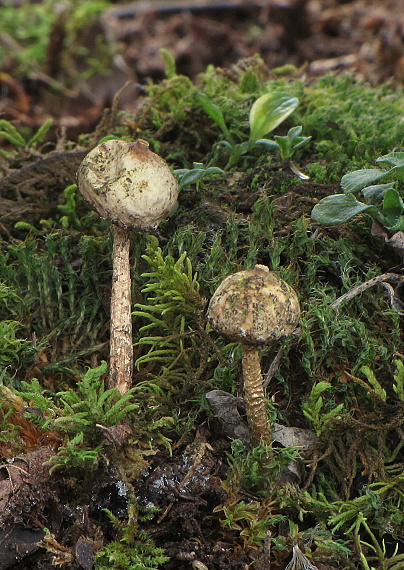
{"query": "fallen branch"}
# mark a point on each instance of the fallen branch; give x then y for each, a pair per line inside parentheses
(383, 280)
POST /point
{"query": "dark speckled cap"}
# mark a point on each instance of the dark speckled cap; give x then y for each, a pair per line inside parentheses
(254, 307)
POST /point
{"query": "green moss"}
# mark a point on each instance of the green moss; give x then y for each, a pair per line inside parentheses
(60, 300)
(332, 379)
(350, 123)
(318, 172)
(31, 26)
(135, 550)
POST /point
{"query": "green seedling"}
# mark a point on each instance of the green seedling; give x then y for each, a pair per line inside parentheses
(381, 201)
(267, 112)
(68, 209)
(79, 411)
(74, 455)
(186, 177)
(288, 144)
(13, 136)
(313, 408)
(215, 113)
(134, 549)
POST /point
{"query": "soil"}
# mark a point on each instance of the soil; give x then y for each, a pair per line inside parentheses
(364, 37)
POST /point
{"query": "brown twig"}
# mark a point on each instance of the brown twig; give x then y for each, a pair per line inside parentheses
(379, 280)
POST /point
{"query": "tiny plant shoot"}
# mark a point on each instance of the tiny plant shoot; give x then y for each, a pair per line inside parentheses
(267, 112)
(287, 144)
(186, 177)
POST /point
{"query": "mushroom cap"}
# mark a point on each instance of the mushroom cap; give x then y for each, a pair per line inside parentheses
(254, 307)
(128, 184)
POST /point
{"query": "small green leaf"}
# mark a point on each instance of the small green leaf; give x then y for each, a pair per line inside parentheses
(10, 133)
(398, 226)
(393, 159)
(17, 140)
(286, 144)
(331, 414)
(40, 134)
(213, 111)
(189, 177)
(300, 142)
(319, 388)
(359, 179)
(25, 226)
(267, 142)
(213, 170)
(295, 132)
(269, 111)
(169, 61)
(398, 385)
(338, 209)
(379, 390)
(284, 147)
(249, 82)
(392, 206)
(374, 194)
(396, 172)
(186, 176)
(236, 152)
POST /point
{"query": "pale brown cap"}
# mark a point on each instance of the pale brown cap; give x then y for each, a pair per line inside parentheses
(254, 307)
(128, 184)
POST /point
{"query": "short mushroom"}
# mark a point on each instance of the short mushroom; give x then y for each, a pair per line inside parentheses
(254, 307)
(133, 188)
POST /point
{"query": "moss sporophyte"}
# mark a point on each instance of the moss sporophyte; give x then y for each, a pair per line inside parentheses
(138, 191)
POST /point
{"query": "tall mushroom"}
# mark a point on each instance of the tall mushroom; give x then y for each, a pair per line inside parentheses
(133, 188)
(254, 307)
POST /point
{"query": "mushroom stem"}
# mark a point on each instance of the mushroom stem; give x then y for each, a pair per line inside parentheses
(254, 397)
(121, 344)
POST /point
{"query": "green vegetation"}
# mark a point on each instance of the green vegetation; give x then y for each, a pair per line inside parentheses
(266, 113)
(342, 378)
(382, 201)
(27, 31)
(79, 413)
(350, 124)
(286, 145)
(186, 177)
(134, 550)
(12, 135)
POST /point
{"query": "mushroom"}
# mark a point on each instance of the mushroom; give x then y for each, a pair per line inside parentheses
(133, 188)
(254, 307)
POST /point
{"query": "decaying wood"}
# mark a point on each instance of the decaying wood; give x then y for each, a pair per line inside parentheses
(383, 280)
